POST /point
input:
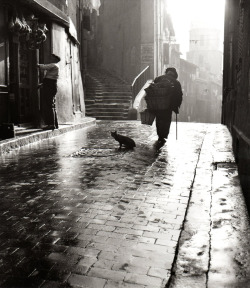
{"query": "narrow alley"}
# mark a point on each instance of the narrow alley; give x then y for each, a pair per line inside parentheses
(78, 212)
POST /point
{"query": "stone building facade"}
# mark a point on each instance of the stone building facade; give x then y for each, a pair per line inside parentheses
(205, 50)
(130, 35)
(59, 23)
(200, 77)
(188, 72)
(236, 84)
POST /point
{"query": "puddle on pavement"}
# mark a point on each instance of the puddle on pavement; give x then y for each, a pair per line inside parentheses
(45, 185)
(99, 152)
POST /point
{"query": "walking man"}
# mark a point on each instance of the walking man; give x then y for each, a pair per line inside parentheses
(164, 117)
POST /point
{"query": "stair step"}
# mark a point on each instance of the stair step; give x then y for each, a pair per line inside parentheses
(100, 97)
(95, 114)
(108, 102)
(113, 114)
(107, 106)
(108, 91)
(89, 101)
(115, 96)
(106, 112)
(112, 101)
(105, 92)
(111, 118)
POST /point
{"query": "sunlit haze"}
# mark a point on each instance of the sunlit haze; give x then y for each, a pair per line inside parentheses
(208, 13)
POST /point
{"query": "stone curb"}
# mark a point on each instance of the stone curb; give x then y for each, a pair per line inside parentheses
(19, 141)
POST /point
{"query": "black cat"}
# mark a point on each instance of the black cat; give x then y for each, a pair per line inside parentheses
(123, 140)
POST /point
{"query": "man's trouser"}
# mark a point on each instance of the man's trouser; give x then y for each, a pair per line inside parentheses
(163, 122)
(49, 114)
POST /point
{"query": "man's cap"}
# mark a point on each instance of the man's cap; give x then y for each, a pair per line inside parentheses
(173, 71)
(57, 57)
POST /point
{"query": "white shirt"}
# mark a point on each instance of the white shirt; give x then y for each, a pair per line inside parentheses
(52, 70)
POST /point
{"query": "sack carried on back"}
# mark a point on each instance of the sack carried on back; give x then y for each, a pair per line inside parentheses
(159, 95)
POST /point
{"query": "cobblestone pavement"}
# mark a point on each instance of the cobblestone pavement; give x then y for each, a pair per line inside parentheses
(78, 212)
(213, 250)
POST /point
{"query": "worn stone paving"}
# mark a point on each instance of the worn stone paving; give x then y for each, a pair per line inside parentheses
(78, 212)
(214, 250)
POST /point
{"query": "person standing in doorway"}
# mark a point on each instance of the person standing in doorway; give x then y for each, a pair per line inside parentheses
(48, 107)
(163, 117)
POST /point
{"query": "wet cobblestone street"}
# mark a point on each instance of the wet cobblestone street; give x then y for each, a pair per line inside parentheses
(78, 212)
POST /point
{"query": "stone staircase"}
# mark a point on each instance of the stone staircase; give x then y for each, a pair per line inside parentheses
(107, 97)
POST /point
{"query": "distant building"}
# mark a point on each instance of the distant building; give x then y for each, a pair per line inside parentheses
(205, 50)
(175, 56)
(188, 72)
(205, 98)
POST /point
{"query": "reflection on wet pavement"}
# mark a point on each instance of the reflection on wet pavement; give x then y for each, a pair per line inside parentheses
(75, 202)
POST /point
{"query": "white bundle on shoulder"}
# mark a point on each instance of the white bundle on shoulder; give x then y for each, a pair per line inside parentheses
(142, 104)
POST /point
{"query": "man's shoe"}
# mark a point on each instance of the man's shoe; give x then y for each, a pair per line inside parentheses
(159, 143)
(161, 140)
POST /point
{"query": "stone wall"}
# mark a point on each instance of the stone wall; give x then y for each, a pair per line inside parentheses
(61, 4)
(63, 42)
(119, 37)
(236, 84)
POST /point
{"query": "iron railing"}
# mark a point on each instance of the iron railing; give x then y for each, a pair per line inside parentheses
(139, 82)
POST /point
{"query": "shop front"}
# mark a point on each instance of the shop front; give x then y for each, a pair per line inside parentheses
(25, 29)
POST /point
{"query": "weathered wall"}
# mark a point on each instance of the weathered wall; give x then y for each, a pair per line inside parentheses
(236, 84)
(70, 95)
(205, 50)
(60, 4)
(128, 36)
(147, 36)
(61, 40)
(119, 36)
(187, 74)
(61, 47)
(3, 66)
(75, 15)
(73, 11)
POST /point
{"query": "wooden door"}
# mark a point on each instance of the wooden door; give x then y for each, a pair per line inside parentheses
(3, 68)
(24, 99)
(23, 80)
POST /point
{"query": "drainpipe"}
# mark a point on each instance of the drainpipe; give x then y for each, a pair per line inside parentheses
(80, 31)
(72, 80)
(80, 55)
(123, 41)
(155, 39)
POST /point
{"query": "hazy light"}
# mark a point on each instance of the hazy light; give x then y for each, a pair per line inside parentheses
(185, 12)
